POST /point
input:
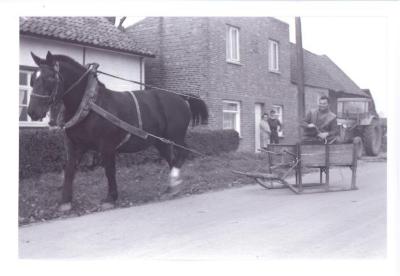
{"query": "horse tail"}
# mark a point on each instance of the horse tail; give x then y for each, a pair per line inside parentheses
(199, 110)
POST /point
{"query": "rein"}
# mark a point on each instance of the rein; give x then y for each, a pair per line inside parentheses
(163, 140)
(149, 86)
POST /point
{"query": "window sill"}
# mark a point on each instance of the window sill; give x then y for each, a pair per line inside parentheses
(29, 124)
(275, 72)
(234, 62)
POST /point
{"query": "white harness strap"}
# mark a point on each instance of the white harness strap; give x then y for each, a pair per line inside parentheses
(139, 116)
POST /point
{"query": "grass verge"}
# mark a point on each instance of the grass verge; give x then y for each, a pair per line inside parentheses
(137, 184)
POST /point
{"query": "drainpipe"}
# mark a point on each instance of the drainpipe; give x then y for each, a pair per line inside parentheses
(300, 76)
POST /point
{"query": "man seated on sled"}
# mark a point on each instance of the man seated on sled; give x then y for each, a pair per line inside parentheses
(320, 125)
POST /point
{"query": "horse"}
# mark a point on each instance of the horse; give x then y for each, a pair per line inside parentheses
(61, 80)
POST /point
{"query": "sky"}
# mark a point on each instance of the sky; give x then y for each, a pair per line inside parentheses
(356, 44)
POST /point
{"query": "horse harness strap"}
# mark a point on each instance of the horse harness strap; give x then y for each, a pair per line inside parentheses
(88, 98)
(139, 116)
(88, 104)
(117, 121)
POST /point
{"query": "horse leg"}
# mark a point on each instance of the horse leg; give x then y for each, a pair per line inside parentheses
(74, 153)
(166, 151)
(178, 158)
(110, 170)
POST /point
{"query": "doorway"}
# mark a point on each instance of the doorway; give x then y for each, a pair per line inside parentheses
(258, 110)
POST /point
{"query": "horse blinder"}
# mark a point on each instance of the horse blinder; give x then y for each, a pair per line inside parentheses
(54, 96)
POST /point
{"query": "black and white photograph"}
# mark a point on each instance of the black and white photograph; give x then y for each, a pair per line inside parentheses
(190, 137)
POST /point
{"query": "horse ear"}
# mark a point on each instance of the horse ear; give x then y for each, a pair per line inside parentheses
(49, 58)
(37, 59)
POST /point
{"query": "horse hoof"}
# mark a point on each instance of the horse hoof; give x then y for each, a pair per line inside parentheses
(174, 181)
(107, 206)
(171, 192)
(65, 207)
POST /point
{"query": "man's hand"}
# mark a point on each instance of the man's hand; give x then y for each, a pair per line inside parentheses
(323, 135)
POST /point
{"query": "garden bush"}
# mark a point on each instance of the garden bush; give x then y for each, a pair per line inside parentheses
(42, 150)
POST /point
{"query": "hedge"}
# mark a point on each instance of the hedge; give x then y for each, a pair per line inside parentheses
(42, 150)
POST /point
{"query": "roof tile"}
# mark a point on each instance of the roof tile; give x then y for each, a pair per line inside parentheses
(321, 71)
(92, 31)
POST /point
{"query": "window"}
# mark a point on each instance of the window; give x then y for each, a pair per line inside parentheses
(24, 95)
(273, 56)
(232, 45)
(231, 115)
(279, 115)
(352, 109)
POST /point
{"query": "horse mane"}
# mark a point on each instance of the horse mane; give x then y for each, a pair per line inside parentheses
(71, 61)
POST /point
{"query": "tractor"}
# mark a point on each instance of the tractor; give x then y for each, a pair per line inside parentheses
(357, 117)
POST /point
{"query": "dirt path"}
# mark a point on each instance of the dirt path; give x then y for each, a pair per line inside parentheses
(247, 223)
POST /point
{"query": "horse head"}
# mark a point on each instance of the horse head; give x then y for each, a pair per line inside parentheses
(46, 83)
(54, 74)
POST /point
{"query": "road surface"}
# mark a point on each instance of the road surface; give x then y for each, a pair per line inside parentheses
(247, 223)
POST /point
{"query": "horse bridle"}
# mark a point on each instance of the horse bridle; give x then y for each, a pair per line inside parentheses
(54, 98)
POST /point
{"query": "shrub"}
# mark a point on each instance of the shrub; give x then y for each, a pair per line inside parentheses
(213, 142)
(42, 150)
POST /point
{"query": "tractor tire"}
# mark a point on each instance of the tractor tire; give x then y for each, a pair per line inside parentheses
(372, 138)
(358, 144)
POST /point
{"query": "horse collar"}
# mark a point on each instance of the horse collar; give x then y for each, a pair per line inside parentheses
(89, 97)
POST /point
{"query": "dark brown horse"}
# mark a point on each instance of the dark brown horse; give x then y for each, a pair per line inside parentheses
(60, 79)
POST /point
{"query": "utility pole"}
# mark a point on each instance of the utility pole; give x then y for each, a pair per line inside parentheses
(299, 75)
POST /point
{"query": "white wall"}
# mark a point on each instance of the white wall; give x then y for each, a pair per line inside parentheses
(119, 64)
(40, 47)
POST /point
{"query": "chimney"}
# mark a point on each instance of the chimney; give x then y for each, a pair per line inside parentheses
(111, 19)
(121, 21)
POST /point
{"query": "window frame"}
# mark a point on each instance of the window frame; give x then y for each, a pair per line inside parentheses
(273, 55)
(278, 107)
(236, 112)
(230, 43)
(29, 70)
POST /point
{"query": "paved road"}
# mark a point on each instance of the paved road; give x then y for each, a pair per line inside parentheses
(246, 223)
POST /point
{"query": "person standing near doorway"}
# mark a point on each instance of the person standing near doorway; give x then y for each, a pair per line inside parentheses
(265, 131)
(275, 126)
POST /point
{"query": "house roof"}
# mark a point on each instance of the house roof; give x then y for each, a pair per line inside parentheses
(90, 31)
(320, 71)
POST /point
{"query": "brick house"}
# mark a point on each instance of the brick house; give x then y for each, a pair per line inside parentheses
(240, 66)
(85, 39)
(228, 62)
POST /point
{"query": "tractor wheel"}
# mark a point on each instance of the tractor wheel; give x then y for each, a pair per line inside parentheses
(358, 144)
(372, 137)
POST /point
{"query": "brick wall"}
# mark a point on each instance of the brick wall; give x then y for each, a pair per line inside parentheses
(312, 94)
(180, 46)
(251, 82)
(148, 34)
(191, 57)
